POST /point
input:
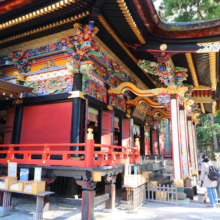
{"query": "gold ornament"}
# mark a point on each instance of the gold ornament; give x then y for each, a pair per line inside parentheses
(163, 47)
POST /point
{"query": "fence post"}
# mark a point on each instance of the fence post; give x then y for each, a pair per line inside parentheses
(45, 154)
(89, 149)
(10, 154)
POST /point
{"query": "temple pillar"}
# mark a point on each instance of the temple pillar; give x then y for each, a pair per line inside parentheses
(76, 111)
(110, 188)
(191, 146)
(176, 141)
(167, 136)
(184, 143)
(88, 199)
(195, 148)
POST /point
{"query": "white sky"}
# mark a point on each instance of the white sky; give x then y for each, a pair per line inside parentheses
(157, 4)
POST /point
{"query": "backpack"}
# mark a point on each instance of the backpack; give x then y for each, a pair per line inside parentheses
(213, 174)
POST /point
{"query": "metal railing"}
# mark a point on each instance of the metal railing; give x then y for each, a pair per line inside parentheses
(164, 194)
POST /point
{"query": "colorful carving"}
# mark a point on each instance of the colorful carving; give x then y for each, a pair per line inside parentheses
(118, 102)
(167, 73)
(81, 43)
(94, 87)
(127, 86)
(50, 83)
(155, 112)
(138, 100)
(162, 57)
(19, 59)
(163, 99)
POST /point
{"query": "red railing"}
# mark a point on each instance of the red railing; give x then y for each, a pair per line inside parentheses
(85, 158)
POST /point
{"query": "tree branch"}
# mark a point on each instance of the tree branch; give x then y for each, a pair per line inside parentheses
(199, 12)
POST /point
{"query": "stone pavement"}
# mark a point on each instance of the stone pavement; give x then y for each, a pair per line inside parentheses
(150, 211)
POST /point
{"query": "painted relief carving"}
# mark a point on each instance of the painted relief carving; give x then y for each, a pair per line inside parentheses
(94, 87)
(50, 83)
(118, 102)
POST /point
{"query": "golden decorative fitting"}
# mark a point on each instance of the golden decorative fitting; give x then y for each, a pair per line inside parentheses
(192, 162)
(155, 157)
(128, 115)
(43, 162)
(36, 30)
(35, 14)
(192, 154)
(184, 152)
(109, 107)
(187, 104)
(185, 176)
(76, 94)
(90, 135)
(192, 69)
(179, 90)
(163, 47)
(185, 164)
(212, 65)
(96, 176)
(8, 161)
(194, 172)
(194, 116)
(17, 101)
(178, 183)
(130, 20)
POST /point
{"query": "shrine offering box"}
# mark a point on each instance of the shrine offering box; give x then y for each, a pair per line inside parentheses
(132, 180)
(17, 186)
(34, 186)
(5, 181)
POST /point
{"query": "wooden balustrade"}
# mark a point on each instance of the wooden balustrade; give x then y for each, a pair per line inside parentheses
(45, 155)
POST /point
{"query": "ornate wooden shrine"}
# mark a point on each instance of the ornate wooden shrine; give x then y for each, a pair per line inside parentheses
(108, 65)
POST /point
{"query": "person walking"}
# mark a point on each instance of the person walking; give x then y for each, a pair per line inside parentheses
(208, 179)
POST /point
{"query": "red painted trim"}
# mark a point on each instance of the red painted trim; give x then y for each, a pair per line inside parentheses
(179, 134)
(172, 136)
(187, 147)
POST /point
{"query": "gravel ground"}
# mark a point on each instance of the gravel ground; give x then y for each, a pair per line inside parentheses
(63, 211)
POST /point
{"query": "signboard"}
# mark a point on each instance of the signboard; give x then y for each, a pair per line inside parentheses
(24, 173)
(37, 173)
(12, 169)
(140, 111)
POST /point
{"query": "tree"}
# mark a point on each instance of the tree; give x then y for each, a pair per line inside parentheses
(205, 130)
(189, 10)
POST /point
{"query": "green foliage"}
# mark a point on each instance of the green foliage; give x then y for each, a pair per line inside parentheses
(189, 10)
(205, 129)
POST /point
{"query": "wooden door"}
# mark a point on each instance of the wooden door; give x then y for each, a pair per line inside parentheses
(154, 142)
(9, 126)
(126, 132)
(107, 129)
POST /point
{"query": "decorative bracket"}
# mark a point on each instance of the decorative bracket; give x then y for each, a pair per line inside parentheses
(86, 184)
(162, 57)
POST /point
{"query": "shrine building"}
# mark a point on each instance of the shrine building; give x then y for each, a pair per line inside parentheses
(88, 86)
